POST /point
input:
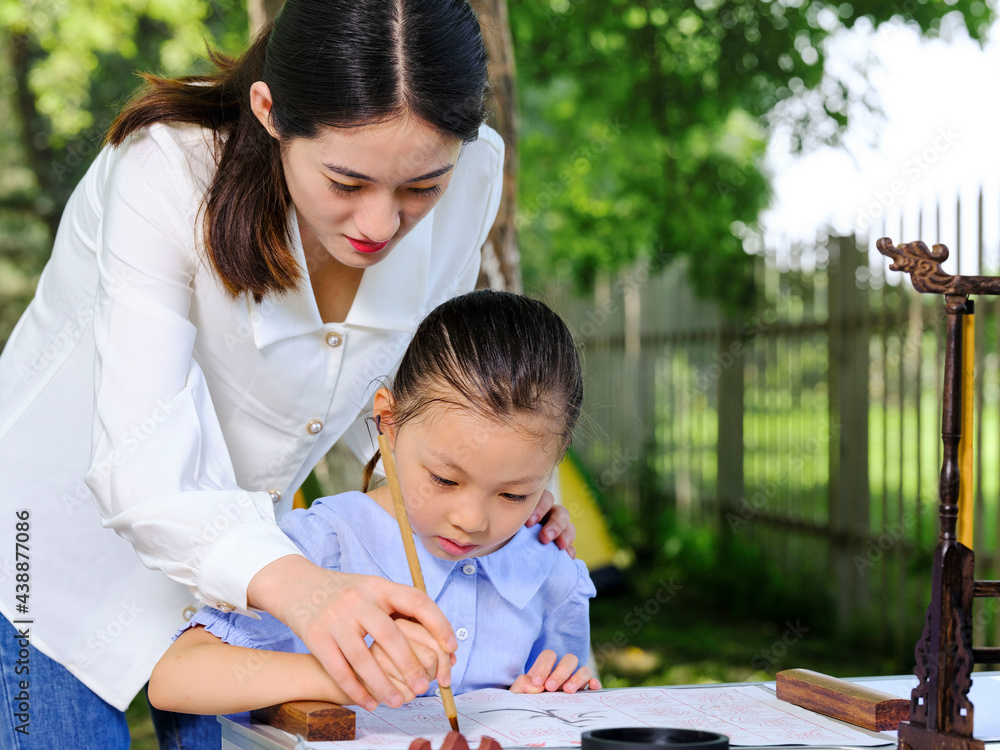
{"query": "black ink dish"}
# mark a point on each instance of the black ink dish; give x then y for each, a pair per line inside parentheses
(634, 738)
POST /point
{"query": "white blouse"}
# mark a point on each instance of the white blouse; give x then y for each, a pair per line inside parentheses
(133, 380)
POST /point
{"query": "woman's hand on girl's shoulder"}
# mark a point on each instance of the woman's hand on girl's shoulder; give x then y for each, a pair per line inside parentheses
(556, 522)
(332, 612)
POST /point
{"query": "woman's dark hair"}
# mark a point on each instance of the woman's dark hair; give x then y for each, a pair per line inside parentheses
(503, 355)
(340, 63)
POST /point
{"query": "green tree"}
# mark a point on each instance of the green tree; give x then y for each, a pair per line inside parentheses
(644, 123)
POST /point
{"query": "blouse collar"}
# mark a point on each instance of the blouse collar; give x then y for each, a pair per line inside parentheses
(392, 295)
(516, 570)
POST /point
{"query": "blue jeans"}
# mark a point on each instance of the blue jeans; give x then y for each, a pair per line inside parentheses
(57, 711)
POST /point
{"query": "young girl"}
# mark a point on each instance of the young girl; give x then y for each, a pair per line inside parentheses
(481, 411)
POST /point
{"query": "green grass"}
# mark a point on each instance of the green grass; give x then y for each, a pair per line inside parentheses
(140, 725)
(732, 620)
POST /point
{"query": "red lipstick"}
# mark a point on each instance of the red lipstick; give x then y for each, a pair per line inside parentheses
(366, 247)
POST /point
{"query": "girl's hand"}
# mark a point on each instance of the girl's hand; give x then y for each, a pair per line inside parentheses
(547, 676)
(557, 524)
(332, 612)
(426, 650)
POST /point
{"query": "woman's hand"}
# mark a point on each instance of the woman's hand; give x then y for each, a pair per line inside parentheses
(547, 676)
(332, 612)
(557, 524)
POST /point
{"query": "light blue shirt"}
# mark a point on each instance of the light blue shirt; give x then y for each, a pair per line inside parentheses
(506, 607)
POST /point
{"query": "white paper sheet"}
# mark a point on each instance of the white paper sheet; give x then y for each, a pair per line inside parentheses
(749, 715)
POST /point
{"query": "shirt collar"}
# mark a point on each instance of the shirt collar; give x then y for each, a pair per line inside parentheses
(517, 570)
(380, 535)
(392, 294)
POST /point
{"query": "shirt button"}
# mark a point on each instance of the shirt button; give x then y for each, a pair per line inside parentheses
(189, 612)
(437, 692)
(224, 607)
(334, 339)
(468, 569)
(462, 634)
(275, 496)
(315, 427)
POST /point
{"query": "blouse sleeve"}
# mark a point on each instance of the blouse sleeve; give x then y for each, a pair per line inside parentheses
(566, 627)
(161, 470)
(314, 532)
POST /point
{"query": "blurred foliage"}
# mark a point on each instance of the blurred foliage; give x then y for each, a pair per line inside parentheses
(698, 612)
(66, 66)
(84, 53)
(644, 123)
(642, 133)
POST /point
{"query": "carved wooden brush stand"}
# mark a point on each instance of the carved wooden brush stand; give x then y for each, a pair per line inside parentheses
(940, 709)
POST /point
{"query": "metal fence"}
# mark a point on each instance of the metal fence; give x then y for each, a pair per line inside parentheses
(809, 428)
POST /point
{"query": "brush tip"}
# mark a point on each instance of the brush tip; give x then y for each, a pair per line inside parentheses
(453, 720)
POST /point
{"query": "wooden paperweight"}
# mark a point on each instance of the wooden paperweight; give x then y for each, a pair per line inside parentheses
(840, 699)
(313, 720)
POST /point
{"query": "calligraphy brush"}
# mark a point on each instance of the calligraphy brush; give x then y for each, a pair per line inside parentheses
(389, 464)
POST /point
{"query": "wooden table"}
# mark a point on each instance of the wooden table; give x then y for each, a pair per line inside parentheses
(240, 733)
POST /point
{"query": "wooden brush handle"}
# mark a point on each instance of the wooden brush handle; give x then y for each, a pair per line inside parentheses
(401, 518)
(389, 464)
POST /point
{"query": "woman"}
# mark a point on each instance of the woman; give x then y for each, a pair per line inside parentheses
(210, 323)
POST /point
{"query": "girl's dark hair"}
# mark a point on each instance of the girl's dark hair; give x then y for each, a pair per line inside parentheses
(501, 354)
(340, 63)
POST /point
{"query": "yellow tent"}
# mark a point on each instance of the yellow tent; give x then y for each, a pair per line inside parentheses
(593, 542)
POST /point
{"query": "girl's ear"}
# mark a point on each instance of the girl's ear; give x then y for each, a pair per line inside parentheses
(382, 413)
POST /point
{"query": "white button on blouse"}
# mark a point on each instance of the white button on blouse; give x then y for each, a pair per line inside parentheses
(468, 569)
(462, 634)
